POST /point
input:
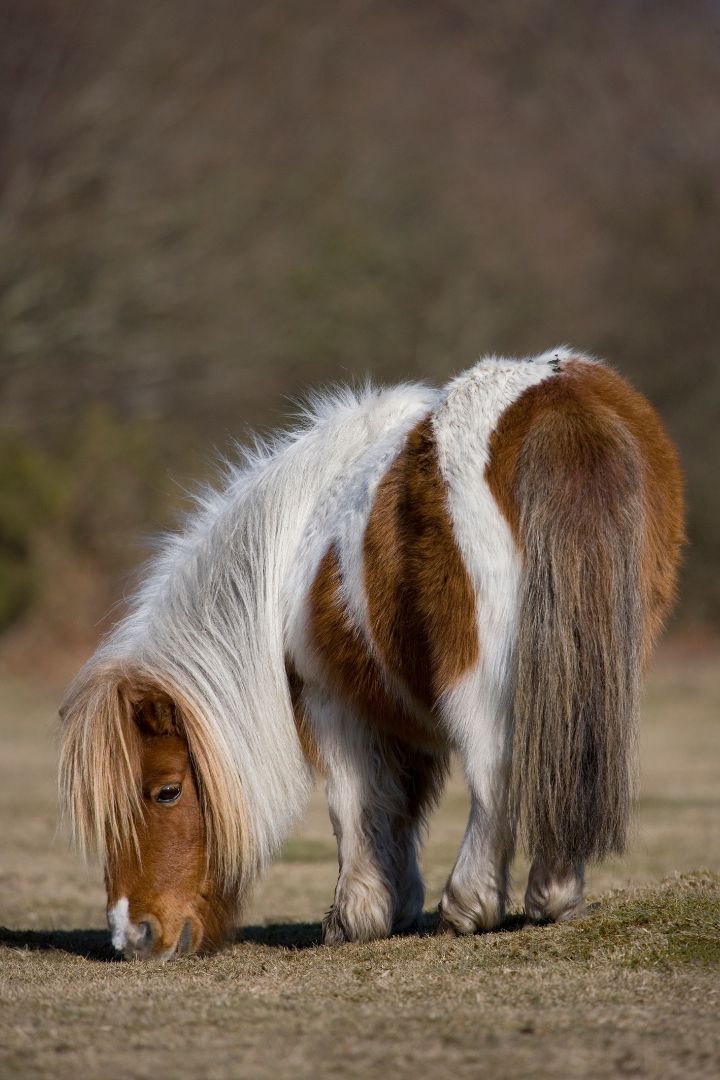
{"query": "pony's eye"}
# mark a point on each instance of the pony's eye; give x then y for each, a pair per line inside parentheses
(168, 793)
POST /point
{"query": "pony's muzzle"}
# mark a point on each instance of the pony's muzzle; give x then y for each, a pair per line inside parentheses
(145, 940)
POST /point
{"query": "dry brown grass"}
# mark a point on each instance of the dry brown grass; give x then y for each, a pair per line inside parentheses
(631, 989)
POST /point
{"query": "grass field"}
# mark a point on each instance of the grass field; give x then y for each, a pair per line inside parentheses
(632, 989)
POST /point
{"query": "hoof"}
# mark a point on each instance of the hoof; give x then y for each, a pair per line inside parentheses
(446, 929)
(333, 931)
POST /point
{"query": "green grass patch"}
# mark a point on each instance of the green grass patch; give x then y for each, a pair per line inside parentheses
(675, 923)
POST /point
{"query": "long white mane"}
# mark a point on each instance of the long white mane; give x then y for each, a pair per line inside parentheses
(207, 628)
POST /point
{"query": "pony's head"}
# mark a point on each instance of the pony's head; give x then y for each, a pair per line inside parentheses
(161, 897)
(144, 783)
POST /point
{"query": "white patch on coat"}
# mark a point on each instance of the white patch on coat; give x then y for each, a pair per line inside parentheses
(464, 422)
(476, 710)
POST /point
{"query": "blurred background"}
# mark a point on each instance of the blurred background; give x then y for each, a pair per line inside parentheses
(207, 208)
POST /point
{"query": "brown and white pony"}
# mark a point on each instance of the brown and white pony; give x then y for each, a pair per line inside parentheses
(481, 569)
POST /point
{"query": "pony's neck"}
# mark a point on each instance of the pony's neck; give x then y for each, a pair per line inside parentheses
(211, 613)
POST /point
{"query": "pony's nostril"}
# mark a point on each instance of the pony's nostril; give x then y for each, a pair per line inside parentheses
(141, 938)
(145, 934)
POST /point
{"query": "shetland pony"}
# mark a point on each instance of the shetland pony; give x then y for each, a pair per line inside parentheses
(481, 569)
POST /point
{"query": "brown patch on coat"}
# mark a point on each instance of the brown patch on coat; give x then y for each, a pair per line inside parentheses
(166, 880)
(421, 601)
(580, 389)
(351, 668)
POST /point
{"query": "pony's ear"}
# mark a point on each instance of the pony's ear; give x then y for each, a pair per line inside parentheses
(154, 712)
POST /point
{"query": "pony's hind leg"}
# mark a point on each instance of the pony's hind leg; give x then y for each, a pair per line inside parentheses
(475, 897)
(554, 895)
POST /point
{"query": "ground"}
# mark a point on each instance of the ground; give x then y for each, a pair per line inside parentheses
(631, 989)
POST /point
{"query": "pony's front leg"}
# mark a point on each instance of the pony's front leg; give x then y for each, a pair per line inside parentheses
(364, 799)
(378, 827)
(365, 896)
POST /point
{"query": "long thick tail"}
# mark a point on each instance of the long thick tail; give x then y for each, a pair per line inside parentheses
(579, 519)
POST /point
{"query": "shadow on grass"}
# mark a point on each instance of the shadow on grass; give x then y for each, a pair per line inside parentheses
(92, 944)
(309, 935)
(96, 945)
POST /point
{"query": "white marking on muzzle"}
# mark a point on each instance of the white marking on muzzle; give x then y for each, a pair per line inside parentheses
(123, 931)
(118, 918)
